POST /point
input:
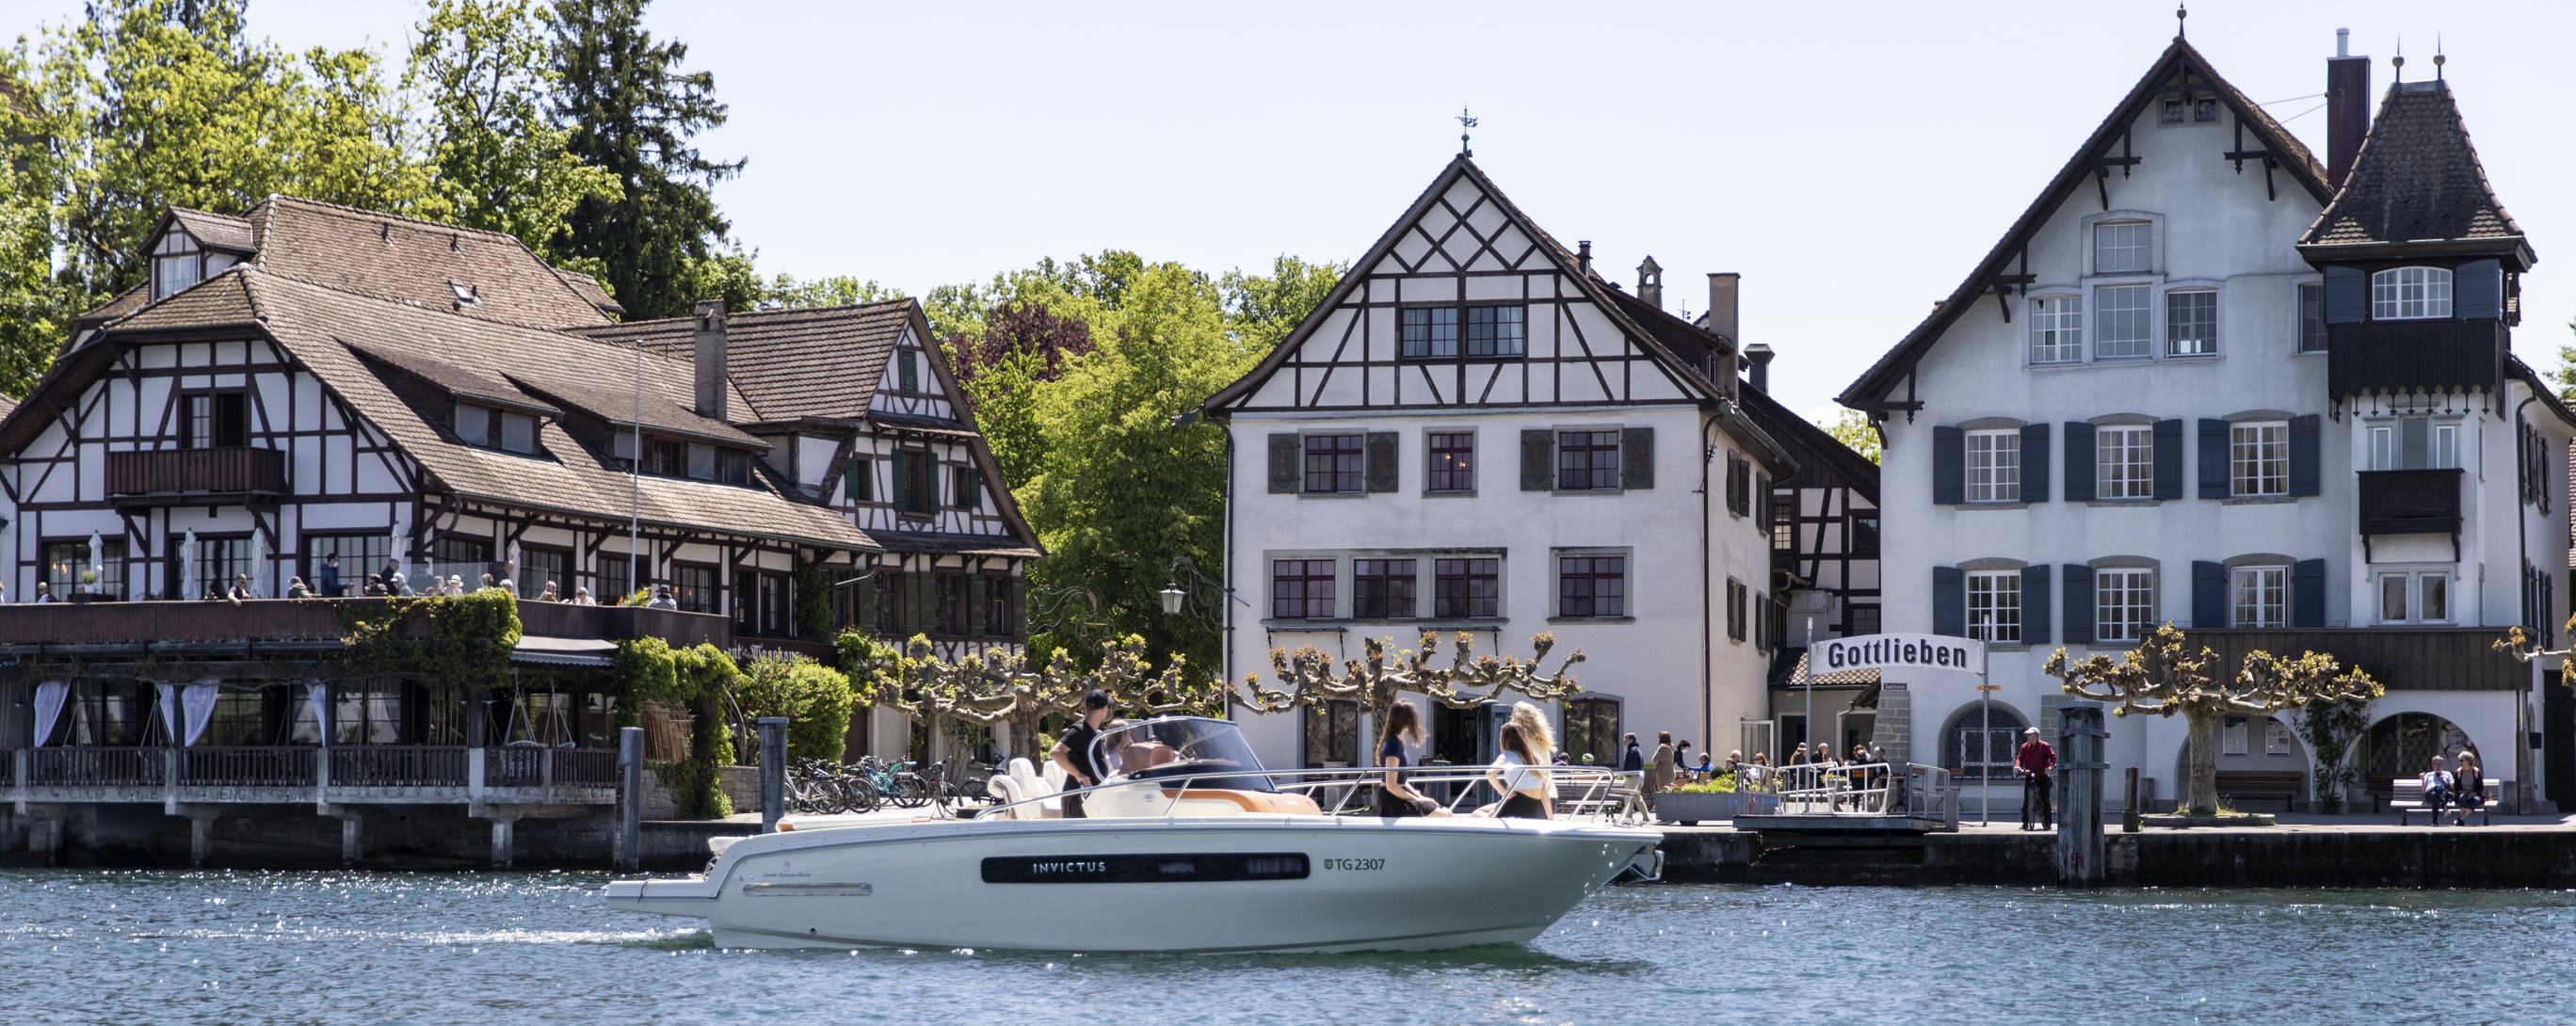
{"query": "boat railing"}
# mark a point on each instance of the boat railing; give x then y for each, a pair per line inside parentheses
(1580, 792)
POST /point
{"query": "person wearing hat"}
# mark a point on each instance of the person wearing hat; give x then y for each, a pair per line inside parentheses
(2034, 762)
(1073, 752)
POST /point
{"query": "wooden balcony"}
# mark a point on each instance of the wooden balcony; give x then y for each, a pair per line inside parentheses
(2415, 356)
(297, 774)
(278, 624)
(167, 477)
(2410, 501)
(2409, 658)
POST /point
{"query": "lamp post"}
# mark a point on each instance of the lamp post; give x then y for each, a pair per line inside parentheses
(1986, 727)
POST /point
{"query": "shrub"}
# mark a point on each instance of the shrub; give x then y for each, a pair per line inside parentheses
(1723, 783)
(816, 699)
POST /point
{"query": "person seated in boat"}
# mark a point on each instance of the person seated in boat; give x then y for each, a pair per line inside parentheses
(1517, 776)
(1073, 750)
(1395, 797)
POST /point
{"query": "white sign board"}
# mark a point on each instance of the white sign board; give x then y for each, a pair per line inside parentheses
(1898, 652)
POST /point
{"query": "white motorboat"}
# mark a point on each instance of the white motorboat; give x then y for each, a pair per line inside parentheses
(1191, 845)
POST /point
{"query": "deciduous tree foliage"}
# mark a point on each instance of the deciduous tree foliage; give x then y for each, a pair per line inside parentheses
(1852, 428)
(633, 110)
(483, 70)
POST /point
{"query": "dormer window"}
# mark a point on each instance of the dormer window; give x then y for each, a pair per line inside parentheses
(177, 264)
(465, 294)
(492, 428)
(2410, 294)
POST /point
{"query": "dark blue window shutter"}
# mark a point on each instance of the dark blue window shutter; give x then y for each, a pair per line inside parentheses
(2208, 594)
(2034, 604)
(2034, 463)
(2079, 604)
(2079, 466)
(1949, 466)
(2477, 291)
(2303, 455)
(2213, 460)
(2308, 593)
(1949, 601)
(2347, 295)
(2168, 459)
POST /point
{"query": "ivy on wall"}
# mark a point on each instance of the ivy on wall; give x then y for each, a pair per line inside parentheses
(650, 670)
(813, 601)
(451, 642)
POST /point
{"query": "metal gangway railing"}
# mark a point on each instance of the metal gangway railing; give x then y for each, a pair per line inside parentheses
(1855, 789)
(1592, 793)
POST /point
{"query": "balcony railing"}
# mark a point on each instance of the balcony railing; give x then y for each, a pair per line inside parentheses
(2414, 356)
(365, 773)
(180, 474)
(312, 620)
(2410, 501)
(102, 767)
(262, 766)
(399, 766)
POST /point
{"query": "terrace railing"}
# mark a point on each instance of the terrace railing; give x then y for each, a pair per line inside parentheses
(260, 766)
(399, 765)
(102, 767)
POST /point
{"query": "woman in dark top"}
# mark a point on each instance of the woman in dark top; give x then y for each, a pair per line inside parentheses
(1395, 798)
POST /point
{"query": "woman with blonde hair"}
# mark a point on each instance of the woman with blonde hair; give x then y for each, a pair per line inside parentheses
(1517, 776)
(1534, 729)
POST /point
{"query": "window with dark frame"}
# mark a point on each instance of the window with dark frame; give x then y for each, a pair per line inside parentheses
(886, 599)
(1453, 461)
(858, 480)
(1301, 589)
(1591, 586)
(616, 578)
(961, 484)
(2312, 317)
(908, 370)
(1382, 589)
(360, 555)
(733, 466)
(66, 561)
(1332, 734)
(1784, 522)
(997, 608)
(1428, 332)
(666, 457)
(949, 603)
(215, 420)
(1496, 330)
(1587, 461)
(918, 498)
(694, 587)
(1466, 589)
(1864, 534)
(1334, 463)
(538, 567)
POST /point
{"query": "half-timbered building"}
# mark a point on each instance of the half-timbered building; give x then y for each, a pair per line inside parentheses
(1476, 434)
(2208, 379)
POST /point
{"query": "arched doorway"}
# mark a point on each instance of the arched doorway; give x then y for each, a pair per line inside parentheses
(1978, 743)
(2402, 745)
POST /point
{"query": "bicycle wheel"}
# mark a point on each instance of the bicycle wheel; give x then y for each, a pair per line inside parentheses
(909, 791)
(857, 795)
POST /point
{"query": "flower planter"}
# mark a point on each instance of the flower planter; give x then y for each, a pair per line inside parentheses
(1689, 808)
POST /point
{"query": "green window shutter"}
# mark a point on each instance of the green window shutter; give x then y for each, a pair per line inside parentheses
(1637, 457)
(928, 487)
(975, 585)
(974, 485)
(903, 482)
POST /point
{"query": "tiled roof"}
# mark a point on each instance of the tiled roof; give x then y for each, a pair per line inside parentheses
(122, 303)
(325, 329)
(416, 262)
(216, 231)
(1789, 663)
(1811, 445)
(591, 291)
(787, 364)
(2416, 179)
(953, 544)
(221, 299)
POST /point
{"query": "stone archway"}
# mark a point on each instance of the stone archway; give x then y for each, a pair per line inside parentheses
(2403, 743)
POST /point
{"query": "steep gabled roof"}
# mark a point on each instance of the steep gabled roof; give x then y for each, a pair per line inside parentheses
(1809, 444)
(413, 261)
(215, 231)
(2178, 60)
(788, 364)
(1684, 374)
(2416, 181)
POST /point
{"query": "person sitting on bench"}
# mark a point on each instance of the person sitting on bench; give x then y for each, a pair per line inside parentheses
(2472, 790)
(2437, 790)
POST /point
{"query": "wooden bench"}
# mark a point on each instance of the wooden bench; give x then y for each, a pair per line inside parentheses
(2282, 784)
(2406, 795)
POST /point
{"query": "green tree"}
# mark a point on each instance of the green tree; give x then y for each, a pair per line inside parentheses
(632, 110)
(483, 70)
(1853, 429)
(35, 309)
(2565, 375)
(785, 291)
(1265, 309)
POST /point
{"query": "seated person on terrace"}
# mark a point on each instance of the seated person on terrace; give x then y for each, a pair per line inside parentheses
(2437, 789)
(2471, 790)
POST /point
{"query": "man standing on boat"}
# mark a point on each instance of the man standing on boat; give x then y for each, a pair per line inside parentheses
(1073, 750)
(2033, 762)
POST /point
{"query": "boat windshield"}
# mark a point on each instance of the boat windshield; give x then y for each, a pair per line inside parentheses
(1180, 746)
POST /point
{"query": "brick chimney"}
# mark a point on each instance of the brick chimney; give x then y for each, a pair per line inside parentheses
(711, 358)
(2347, 108)
(1721, 303)
(1758, 357)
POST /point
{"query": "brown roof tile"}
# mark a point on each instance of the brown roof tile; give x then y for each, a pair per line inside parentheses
(216, 231)
(221, 299)
(2416, 179)
(413, 261)
(787, 364)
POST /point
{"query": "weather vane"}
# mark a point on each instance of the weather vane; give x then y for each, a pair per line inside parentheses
(1465, 122)
(2182, 12)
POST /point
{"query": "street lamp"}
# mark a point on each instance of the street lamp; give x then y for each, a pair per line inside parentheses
(1172, 597)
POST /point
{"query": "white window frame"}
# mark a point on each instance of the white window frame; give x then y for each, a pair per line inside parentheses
(2105, 316)
(2124, 603)
(1994, 606)
(2410, 294)
(2144, 246)
(1994, 465)
(2175, 345)
(2057, 329)
(2124, 462)
(2411, 588)
(2385, 447)
(2258, 459)
(2267, 586)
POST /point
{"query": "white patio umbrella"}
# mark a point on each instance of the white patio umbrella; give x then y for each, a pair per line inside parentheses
(259, 568)
(188, 565)
(96, 573)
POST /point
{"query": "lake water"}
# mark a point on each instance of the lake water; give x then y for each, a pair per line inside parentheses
(202, 947)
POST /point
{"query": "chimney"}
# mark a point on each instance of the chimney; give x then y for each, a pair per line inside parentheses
(2347, 108)
(1583, 257)
(1650, 282)
(1759, 356)
(1721, 303)
(711, 358)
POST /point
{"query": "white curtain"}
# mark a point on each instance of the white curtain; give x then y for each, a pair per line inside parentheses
(169, 707)
(198, 701)
(318, 695)
(50, 697)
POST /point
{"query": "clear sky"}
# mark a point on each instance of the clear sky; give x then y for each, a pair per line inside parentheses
(1852, 160)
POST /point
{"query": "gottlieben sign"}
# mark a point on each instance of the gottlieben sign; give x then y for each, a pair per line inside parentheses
(1898, 652)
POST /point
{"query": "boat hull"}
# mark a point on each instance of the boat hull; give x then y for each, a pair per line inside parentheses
(1316, 884)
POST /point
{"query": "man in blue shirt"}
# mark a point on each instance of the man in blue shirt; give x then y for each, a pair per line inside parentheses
(1634, 761)
(327, 579)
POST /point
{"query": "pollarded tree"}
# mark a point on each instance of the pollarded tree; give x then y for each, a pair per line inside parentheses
(1007, 690)
(2163, 677)
(1377, 682)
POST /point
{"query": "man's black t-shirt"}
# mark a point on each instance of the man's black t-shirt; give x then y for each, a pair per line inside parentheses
(1077, 740)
